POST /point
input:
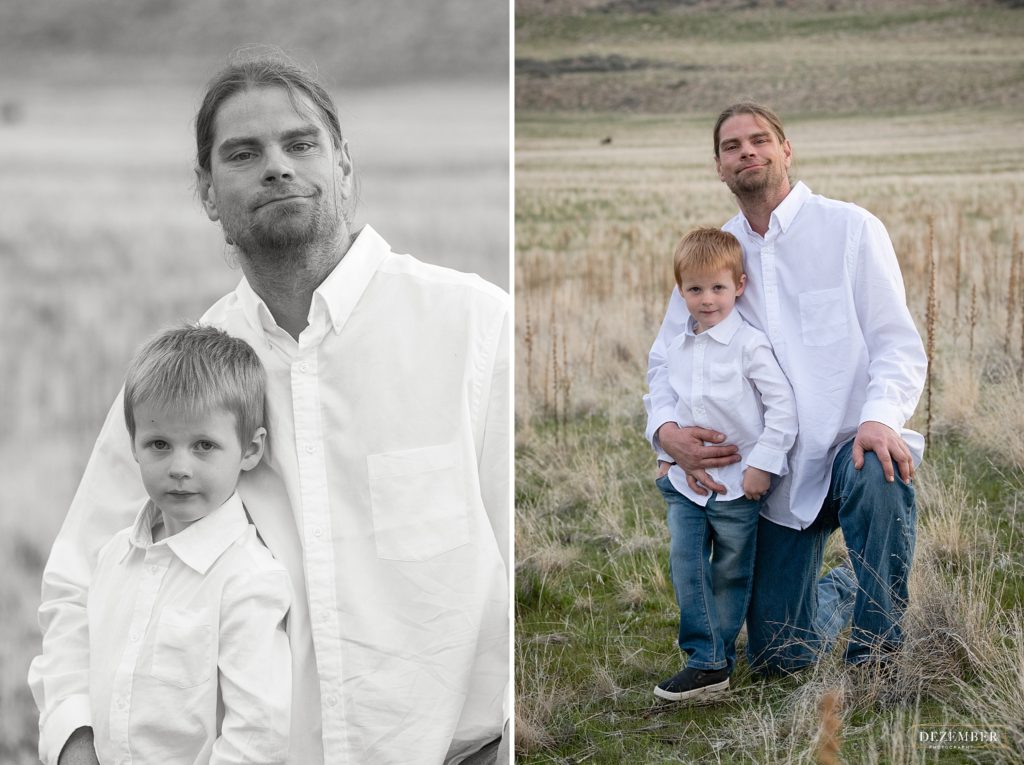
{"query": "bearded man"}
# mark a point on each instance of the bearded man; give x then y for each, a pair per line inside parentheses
(824, 284)
(385, 486)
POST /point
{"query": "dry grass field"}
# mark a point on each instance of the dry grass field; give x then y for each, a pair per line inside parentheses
(102, 241)
(596, 223)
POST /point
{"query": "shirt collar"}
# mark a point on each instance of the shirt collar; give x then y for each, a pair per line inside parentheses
(336, 297)
(784, 215)
(203, 542)
(722, 332)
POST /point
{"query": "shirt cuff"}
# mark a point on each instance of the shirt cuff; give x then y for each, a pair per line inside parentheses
(883, 412)
(768, 459)
(656, 420)
(70, 715)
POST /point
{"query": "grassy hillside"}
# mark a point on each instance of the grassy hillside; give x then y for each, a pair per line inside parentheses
(596, 224)
(356, 42)
(804, 57)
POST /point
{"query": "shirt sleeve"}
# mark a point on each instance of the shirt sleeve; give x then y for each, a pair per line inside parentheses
(254, 670)
(896, 358)
(108, 498)
(780, 420)
(494, 455)
(660, 401)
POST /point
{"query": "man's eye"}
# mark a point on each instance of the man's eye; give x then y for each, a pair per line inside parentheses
(302, 146)
(241, 156)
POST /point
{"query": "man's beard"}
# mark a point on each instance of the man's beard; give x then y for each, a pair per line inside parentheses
(285, 231)
(756, 186)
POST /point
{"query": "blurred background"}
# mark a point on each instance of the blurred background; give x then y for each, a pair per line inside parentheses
(102, 240)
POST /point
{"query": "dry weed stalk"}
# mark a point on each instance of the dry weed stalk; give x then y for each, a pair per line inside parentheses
(959, 258)
(973, 320)
(931, 317)
(528, 343)
(566, 383)
(1011, 302)
(829, 740)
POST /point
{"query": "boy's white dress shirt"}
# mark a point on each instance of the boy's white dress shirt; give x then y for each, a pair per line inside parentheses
(189, 659)
(389, 439)
(825, 286)
(727, 379)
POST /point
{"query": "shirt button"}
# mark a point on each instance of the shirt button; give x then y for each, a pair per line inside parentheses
(134, 637)
(331, 701)
(318, 532)
(310, 448)
(153, 569)
(304, 367)
(121, 704)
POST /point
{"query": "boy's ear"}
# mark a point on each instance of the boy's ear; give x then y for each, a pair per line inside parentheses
(741, 285)
(254, 450)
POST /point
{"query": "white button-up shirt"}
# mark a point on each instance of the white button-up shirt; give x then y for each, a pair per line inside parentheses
(390, 442)
(727, 379)
(189, 659)
(824, 285)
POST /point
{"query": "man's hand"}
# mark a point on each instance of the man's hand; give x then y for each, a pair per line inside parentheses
(756, 483)
(79, 749)
(888, 447)
(663, 468)
(686, 447)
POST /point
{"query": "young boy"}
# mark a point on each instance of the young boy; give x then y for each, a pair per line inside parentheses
(724, 377)
(189, 661)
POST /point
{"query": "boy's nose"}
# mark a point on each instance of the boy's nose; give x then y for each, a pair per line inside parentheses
(180, 467)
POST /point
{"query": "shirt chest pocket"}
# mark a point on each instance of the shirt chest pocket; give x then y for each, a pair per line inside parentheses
(823, 318)
(420, 502)
(724, 382)
(183, 647)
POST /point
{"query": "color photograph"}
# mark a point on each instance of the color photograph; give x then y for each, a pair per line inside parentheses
(728, 545)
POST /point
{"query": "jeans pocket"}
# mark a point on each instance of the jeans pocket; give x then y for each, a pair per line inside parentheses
(420, 502)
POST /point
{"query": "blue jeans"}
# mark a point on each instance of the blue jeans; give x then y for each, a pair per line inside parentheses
(794, 618)
(711, 560)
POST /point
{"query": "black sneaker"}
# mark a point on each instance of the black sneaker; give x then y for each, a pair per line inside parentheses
(692, 682)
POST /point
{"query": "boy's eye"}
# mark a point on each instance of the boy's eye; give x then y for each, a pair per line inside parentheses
(205, 446)
(160, 445)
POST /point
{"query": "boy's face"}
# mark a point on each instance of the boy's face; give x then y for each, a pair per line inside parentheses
(190, 464)
(710, 297)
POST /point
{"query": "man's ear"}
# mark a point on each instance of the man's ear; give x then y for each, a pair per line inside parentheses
(346, 181)
(204, 182)
(253, 452)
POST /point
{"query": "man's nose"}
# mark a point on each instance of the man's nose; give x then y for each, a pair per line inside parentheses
(277, 166)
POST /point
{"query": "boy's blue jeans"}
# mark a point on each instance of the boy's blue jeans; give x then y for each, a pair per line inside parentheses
(711, 560)
(794, 618)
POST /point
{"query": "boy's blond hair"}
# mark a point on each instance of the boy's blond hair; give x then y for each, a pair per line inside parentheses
(708, 250)
(200, 369)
